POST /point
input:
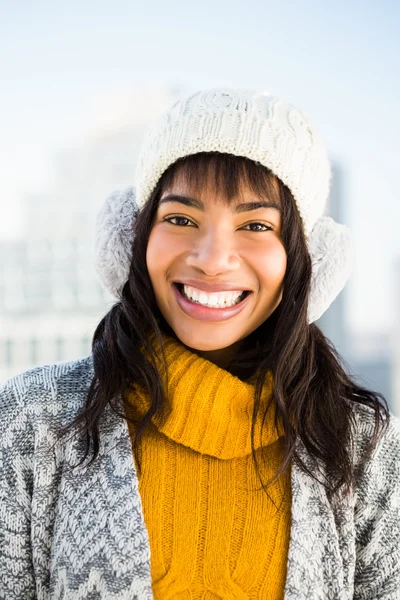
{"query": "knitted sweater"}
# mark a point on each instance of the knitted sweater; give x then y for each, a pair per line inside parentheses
(81, 534)
(212, 529)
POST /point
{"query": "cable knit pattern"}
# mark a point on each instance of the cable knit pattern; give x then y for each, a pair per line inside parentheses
(257, 125)
(213, 532)
(81, 534)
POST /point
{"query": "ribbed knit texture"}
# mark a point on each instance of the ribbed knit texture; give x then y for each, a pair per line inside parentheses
(212, 529)
(81, 534)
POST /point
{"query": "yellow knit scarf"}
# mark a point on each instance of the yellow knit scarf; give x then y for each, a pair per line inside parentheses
(207, 408)
(213, 532)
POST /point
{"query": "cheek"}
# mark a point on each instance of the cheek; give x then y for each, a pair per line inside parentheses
(160, 254)
(272, 264)
(153, 254)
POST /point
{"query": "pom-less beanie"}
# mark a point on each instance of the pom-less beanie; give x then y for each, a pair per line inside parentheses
(258, 126)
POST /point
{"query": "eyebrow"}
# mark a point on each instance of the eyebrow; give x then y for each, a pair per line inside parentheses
(239, 208)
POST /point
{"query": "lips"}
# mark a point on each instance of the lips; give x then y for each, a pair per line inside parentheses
(208, 313)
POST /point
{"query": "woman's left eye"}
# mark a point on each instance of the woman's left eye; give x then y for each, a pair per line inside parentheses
(268, 227)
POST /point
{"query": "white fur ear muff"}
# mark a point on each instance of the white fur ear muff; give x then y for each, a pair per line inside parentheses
(331, 250)
(329, 245)
(113, 240)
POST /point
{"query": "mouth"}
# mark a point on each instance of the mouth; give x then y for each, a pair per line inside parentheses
(202, 312)
(240, 299)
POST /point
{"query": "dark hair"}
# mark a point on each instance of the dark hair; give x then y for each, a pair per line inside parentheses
(314, 395)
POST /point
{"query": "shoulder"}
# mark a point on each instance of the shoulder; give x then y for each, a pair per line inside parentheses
(49, 389)
(364, 425)
(379, 471)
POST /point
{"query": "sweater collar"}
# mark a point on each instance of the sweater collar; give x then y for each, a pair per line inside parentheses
(208, 409)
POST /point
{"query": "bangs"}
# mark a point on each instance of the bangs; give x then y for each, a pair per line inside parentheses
(226, 173)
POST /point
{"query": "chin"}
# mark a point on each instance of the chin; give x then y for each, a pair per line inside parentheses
(201, 340)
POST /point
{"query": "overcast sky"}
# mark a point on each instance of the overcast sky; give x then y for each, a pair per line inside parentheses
(337, 61)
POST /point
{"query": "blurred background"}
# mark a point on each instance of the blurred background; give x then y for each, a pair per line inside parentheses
(83, 80)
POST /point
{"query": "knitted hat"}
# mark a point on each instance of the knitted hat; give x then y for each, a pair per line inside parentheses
(258, 126)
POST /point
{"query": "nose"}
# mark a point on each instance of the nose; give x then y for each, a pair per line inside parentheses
(214, 253)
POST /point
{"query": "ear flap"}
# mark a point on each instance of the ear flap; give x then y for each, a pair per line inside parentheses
(331, 250)
(113, 240)
(329, 245)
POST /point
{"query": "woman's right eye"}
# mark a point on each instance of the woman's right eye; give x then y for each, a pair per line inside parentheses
(169, 220)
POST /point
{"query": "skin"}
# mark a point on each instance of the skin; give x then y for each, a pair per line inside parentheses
(216, 245)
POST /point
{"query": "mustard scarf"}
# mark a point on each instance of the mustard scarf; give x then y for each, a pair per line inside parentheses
(207, 408)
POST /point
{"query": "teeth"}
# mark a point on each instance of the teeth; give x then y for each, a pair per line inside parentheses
(218, 299)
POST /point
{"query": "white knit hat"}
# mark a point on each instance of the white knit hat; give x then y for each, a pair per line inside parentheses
(258, 126)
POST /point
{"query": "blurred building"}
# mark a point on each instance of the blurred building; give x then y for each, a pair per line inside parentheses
(368, 358)
(372, 362)
(50, 299)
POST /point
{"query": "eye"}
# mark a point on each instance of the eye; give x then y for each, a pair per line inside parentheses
(169, 220)
(268, 227)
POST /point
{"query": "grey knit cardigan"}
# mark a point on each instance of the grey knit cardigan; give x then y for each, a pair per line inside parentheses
(80, 533)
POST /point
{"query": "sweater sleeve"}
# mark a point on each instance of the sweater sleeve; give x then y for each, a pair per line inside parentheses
(16, 481)
(377, 521)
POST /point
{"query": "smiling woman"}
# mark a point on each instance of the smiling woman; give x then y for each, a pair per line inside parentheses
(226, 442)
(212, 248)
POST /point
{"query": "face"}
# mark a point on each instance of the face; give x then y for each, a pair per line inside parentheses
(216, 245)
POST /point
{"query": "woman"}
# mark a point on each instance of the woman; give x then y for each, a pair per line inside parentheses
(212, 445)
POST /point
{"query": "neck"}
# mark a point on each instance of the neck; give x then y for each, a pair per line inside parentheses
(221, 357)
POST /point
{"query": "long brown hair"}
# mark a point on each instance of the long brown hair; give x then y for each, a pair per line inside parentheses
(313, 393)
